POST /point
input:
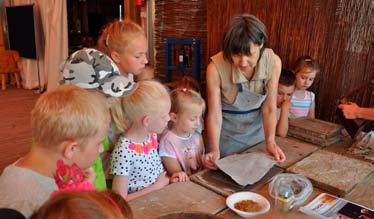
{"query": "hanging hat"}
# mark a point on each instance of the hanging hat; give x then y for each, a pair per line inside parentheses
(91, 69)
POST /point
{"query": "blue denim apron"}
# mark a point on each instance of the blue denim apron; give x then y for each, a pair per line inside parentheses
(241, 122)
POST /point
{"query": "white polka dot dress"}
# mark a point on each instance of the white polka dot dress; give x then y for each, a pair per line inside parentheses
(139, 161)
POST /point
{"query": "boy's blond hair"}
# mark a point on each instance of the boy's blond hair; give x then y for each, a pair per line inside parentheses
(117, 35)
(67, 113)
(146, 99)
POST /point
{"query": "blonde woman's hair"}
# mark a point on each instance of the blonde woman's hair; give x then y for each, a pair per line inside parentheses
(146, 99)
(85, 205)
(117, 35)
(67, 113)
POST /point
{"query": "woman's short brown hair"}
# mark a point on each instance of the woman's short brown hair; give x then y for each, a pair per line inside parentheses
(243, 30)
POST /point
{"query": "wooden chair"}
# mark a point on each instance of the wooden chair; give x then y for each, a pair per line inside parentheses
(8, 66)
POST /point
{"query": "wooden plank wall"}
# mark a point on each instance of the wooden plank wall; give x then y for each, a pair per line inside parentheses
(338, 33)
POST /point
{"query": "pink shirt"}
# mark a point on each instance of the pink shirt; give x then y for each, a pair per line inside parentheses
(185, 150)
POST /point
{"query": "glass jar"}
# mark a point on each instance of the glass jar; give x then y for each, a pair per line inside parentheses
(285, 197)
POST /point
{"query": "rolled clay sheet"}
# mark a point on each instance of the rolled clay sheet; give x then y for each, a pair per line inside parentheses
(246, 168)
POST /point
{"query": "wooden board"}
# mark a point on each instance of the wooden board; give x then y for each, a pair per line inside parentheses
(177, 197)
(333, 172)
(312, 139)
(219, 182)
(293, 148)
(363, 193)
(314, 127)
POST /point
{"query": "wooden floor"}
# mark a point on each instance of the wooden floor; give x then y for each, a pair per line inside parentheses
(15, 131)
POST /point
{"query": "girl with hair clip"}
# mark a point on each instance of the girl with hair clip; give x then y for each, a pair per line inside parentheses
(181, 146)
(85, 205)
(135, 162)
(303, 101)
(126, 44)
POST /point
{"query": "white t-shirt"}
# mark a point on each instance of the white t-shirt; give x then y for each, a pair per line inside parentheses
(24, 190)
(139, 161)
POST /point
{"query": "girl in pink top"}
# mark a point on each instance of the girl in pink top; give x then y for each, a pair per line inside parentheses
(181, 146)
(303, 101)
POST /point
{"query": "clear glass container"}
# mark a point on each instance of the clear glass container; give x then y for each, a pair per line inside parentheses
(285, 197)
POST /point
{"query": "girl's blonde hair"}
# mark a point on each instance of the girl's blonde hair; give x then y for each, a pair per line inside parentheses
(85, 205)
(181, 97)
(117, 35)
(66, 113)
(306, 62)
(146, 99)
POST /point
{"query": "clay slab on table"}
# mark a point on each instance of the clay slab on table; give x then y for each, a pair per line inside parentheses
(332, 172)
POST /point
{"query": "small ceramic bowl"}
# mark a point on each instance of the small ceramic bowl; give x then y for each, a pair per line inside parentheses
(240, 196)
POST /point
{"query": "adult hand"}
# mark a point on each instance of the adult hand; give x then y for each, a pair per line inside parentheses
(179, 177)
(275, 150)
(162, 180)
(209, 160)
(350, 110)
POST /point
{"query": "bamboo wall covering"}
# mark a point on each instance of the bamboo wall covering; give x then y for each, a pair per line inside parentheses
(338, 33)
(177, 18)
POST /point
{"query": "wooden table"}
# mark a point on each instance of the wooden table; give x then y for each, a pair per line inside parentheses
(192, 197)
(178, 197)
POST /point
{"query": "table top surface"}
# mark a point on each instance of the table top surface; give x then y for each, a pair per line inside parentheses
(193, 197)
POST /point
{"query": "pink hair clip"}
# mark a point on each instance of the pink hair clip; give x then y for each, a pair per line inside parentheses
(70, 178)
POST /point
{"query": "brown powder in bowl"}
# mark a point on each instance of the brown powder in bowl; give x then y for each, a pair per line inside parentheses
(247, 206)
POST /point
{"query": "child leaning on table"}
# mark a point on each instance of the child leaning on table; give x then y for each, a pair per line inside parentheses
(286, 87)
(67, 124)
(303, 101)
(181, 146)
(135, 162)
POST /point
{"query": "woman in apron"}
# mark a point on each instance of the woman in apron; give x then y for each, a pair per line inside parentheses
(242, 83)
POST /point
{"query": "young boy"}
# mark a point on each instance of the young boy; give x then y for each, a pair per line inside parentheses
(286, 87)
(69, 124)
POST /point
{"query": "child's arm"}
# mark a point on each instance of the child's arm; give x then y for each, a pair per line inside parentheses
(282, 124)
(311, 113)
(120, 186)
(174, 169)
